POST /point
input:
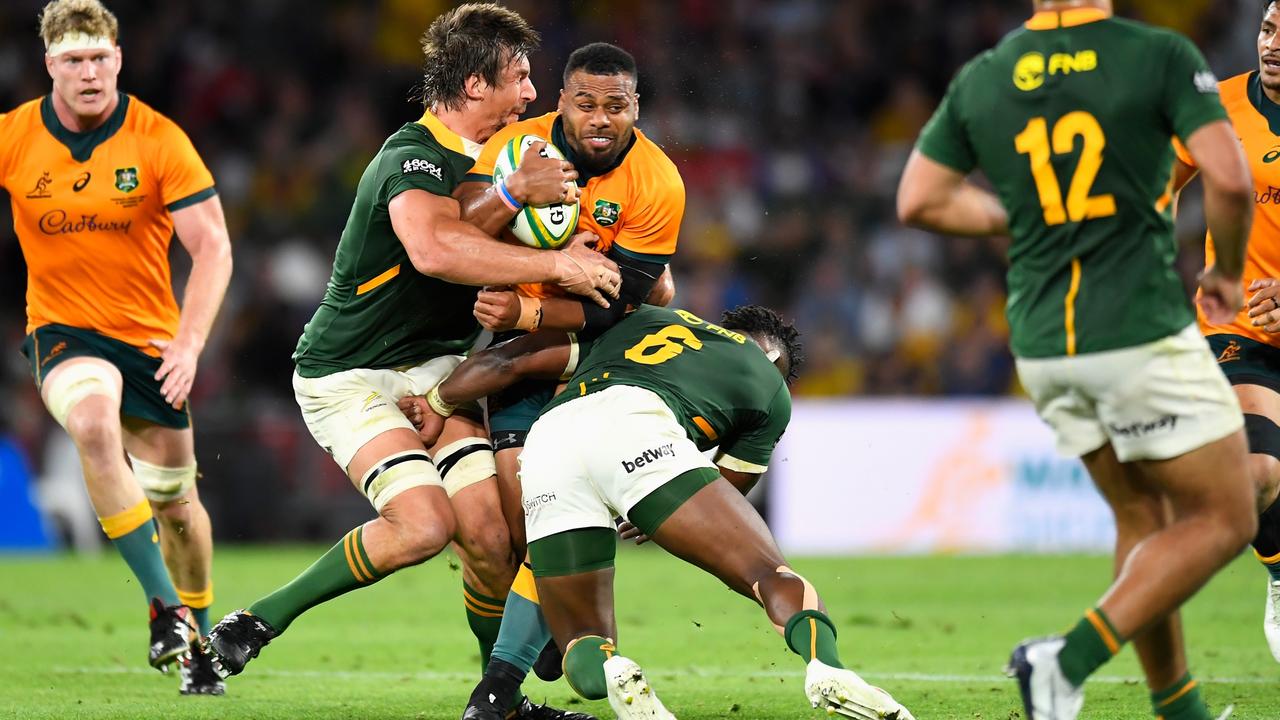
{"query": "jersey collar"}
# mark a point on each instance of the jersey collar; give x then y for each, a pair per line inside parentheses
(1054, 19)
(1267, 109)
(82, 144)
(584, 176)
(448, 138)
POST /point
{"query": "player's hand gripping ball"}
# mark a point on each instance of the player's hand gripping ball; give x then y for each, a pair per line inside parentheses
(543, 226)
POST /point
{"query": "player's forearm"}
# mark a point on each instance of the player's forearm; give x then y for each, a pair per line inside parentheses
(1229, 216)
(206, 286)
(485, 209)
(540, 355)
(965, 210)
(461, 253)
(562, 314)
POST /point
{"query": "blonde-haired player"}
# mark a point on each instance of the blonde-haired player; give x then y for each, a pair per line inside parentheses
(99, 184)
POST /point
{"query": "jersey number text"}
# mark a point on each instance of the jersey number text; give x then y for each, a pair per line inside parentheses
(1034, 141)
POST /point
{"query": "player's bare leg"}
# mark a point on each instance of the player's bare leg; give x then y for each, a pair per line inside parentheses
(1261, 406)
(415, 522)
(164, 464)
(508, 462)
(482, 540)
(1212, 502)
(1139, 512)
(84, 395)
(754, 567)
(186, 536)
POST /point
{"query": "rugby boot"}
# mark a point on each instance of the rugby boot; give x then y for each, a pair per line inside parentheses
(198, 676)
(529, 711)
(235, 640)
(172, 630)
(1271, 618)
(1046, 692)
(630, 695)
(841, 692)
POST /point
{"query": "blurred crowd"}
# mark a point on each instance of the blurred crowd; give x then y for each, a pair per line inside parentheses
(789, 120)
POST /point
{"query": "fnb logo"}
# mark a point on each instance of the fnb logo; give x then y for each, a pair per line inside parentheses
(1030, 70)
(649, 456)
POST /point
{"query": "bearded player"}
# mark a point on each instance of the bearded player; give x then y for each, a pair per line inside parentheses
(1248, 346)
(632, 198)
(99, 184)
(396, 318)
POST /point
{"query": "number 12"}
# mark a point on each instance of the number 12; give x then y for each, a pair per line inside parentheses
(1034, 141)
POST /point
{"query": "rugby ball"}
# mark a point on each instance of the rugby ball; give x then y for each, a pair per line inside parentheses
(544, 226)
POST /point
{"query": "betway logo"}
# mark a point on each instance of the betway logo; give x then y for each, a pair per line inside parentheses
(649, 456)
(1145, 428)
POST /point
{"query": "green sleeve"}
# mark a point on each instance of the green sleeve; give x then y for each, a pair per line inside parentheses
(416, 167)
(1190, 97)
(754, 445)
(943, 139)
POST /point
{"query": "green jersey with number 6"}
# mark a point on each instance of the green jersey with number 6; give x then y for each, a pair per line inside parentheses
(1070, 118)
(719, 384)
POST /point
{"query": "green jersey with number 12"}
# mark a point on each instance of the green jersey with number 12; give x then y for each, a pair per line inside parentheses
(1070, 118)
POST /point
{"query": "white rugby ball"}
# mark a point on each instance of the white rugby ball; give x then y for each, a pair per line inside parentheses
(544, 226)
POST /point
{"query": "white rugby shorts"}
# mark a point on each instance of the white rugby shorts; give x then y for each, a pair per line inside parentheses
(1153, 401)
(594, 457)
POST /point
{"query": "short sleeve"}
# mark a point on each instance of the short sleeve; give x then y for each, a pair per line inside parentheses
(752, 449)
(1190, 97)
(943, 139)
(653, 232)
(416, 167)
(184, 178)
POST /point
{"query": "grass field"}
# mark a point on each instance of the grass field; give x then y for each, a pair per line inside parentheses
(933, 631)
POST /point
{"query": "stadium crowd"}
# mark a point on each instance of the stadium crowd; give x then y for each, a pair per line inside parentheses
(787, 129)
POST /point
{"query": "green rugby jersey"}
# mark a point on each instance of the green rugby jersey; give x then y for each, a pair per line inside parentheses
(378, 311)
(1070, 118)
(719, 384)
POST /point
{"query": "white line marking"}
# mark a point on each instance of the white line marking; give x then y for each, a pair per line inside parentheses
(689, 672)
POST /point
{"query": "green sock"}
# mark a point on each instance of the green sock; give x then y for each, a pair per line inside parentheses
(584, 665)
(1090, 644)
(484, 615)
(344, 568)
(1181, 701)
(811, 635)
(202, 620)
(133, 533)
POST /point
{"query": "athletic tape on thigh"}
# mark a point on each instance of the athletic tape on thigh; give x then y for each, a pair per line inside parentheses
(1263, 434)
(465, 463)
(74, 382)
(162, 484)
(395, 474)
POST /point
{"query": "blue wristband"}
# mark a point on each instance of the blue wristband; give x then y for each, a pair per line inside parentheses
(507, 197)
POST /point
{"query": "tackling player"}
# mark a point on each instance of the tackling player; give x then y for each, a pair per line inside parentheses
(99, 184)
(632, 199)
(396, 319)
(1247, 346)
(668, 386)
(1070, 118)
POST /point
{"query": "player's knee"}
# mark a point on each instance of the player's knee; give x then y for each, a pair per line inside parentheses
(94, 432)
(1264, 470)
(421, 528)
(175, 516)
(489, 555)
